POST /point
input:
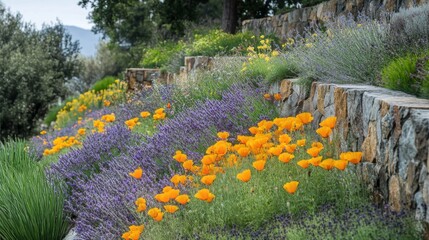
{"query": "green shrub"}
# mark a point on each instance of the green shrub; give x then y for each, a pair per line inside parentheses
(103, 84)
(217, 42)
(409, 74)
(30, 206)
(160, 55)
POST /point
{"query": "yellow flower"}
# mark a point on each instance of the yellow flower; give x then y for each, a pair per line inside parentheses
(275, 53)
(145, 114)
(301, 142)
(131, 123)
(108, 117)
(291, 187)
(43, 132)
(223, 135)
(81, 131)
(159, 111)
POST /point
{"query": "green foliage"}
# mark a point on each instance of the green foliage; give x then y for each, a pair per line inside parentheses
(103, 84)
(276, 69)
(30, 206)
(33, 69)
(409, 74)
(161, 54)
(217, 42)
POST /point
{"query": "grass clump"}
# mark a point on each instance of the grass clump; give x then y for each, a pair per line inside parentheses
(30, 206)
(160, 55)
(409, 74)
(103, 84)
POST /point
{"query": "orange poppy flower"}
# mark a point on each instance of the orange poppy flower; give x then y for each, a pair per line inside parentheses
(315, 161)
(145, 114)
(259, 165)
(301, 142)
(188, 164)
(159, 111)
(305, 117)
(267, 96)
(341, 164)
(169, 105)
(303, 163)
(167, 189)
(244, 151)
(324, 132)
(261, 156)
(182, 199)
(291, 187)
(277, 97)
(209, 159)
(329, 122)
(284, 138)
(327, 164)
(171, 208)
(285, 157)
(220, 148)
(244, 176)
(156, 214)
(81, 131)
(314, 151)
(353, 157)
(173, 193)
(223, 135)
(275, 150)
(205, 195)
(176, 179)
(141, 204)
(137, 174)
(133, 233)
(208, 180)
(232, 160)
(254, 130)
(243, 139)
(290, 148)
(317, 145)
(162, 197)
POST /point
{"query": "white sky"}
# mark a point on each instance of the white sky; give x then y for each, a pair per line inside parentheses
(48, 11)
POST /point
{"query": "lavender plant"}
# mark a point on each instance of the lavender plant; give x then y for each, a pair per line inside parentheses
(103, 202)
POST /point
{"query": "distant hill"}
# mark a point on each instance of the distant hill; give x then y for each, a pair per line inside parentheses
(88, 40)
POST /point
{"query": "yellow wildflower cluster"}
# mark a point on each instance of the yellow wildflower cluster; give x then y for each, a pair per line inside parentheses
(84, 102)
(159, 114)
(279, 139)
(263, 51)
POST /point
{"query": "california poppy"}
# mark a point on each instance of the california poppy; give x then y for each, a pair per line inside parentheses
(244, 176)
(303, 163)
(291, 187)
(141, 204)
(314, 151)
(259, 165)
(208, 180)
(133, 233)
(277, 97)
(329, 122)
(171, 208)
(162, 197)
(305, 117)
(254, 130)
(317, 145)
(176, 179)
(285, 157)
(208, 159)
(267, 96)
(172, 193)
(137, 174)
(327, 164)
(169, 105)
(340, 164)
(188, 164)
(315, 161)
(301, 142)
(275, 150)
(205, 195)
(223, 135)
(156, 214)
(324, 132)
(244, 151)
(182, 199)
(159, 111)
(145, 114)
(290, 148)
(353, 157)
(284, 138)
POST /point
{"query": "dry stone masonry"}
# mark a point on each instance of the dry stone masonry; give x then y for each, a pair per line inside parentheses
(390, 128)
(299, 19)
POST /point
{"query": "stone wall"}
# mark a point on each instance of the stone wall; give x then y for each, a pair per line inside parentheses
(283, 25)
(390, 128)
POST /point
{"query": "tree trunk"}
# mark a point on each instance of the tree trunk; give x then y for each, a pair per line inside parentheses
(229, 16)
